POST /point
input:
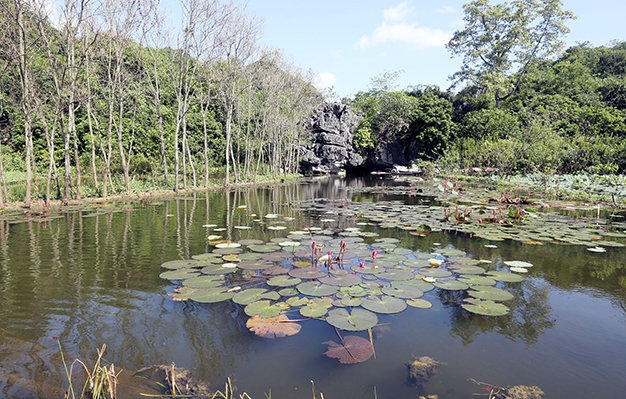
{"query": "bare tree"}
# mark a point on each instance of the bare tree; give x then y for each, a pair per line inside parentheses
(239, 48)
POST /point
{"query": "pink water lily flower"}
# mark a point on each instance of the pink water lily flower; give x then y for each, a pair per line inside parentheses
(361, 264)
(374, 254)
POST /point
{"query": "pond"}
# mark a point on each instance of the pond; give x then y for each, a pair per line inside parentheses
(92, 276)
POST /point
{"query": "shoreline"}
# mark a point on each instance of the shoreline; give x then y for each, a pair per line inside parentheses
(57, 205)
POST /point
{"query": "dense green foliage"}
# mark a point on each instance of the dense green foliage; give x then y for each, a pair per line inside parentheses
(102, 98)
(521, 111)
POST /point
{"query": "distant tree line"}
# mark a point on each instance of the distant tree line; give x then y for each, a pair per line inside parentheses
(526, 105)
(105, 92)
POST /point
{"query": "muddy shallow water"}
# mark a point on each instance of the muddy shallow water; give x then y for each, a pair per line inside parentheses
(92, 277)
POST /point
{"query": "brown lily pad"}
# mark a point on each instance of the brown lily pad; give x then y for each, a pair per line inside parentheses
(273, 327)
(353, 349)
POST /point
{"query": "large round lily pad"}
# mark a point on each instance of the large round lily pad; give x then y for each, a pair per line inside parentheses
(451, 285)
(341, 280)
(486, 308)
(283, 281)
(273, 327)
(490, 293)
(357, 320)
(315, 288)
(419, 303)
(211, 295)
(517, 263)
(264, 309)
(250, 295)
(308, 272)
(179, 274)
(504, 276)
(352, 349)
(403, 291)
(384, 304)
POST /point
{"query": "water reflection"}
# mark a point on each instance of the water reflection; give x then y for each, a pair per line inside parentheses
(91, 277)
(530, 315)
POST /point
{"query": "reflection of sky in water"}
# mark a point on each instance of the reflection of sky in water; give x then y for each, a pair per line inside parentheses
(94, 280)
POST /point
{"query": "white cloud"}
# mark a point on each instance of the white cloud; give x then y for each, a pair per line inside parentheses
(396, 29)
(445, 10)
(324, 80)
(397, 13)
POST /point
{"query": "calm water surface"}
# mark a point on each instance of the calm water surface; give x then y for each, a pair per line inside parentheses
(91, 278)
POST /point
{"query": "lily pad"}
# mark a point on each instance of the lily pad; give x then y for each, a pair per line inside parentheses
(344, 280)
(357, 320)
(179, 274)
(211, 295)
(264, 309)
(283, 281)
(179, 264)
(517, 263)
(352, 349)
(403, 291)
(504, 276)
(419, 303)
(250, 295)
(308, 273)
(315, 288)
(452, 285)
(490, 293)
(486, 308)
(273, 327)
(384, 304)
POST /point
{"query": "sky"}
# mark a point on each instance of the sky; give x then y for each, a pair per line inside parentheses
(345, 43)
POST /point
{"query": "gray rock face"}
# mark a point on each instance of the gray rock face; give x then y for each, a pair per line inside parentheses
(331, 150)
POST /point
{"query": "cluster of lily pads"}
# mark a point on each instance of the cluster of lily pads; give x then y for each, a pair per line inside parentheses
(346, 277)
(535, 228)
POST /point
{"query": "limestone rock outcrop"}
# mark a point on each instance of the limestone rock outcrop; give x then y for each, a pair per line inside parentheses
(331, 143)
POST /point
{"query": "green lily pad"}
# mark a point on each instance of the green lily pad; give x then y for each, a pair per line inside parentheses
(264, 309)
(384, 304)
(417, 283)
(467, 269)
(452, 285)
(211, 295)
(357, 320)
(396, 274)
(437, 273)
(315, 288)
(179, 274)
(486, 308)
(342, 280)
(351, 301)
(179, 264)
(283, 281)
(402, 291)
(203, 281)
(288, 292)
(490, 293)
(419, 303)
(250, 295)
(504, 276)
(294, 301)
(477, 280)
(218, 269)
(263, 248)
(316, 308)
(308, 273)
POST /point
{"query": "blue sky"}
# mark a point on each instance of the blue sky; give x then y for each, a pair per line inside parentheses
(347, 42)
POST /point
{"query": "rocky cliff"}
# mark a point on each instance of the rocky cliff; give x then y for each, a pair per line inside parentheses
(330, 130)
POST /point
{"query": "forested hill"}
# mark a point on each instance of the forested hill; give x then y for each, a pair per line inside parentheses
(567, 115)
(105, 94)
(104, 100)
